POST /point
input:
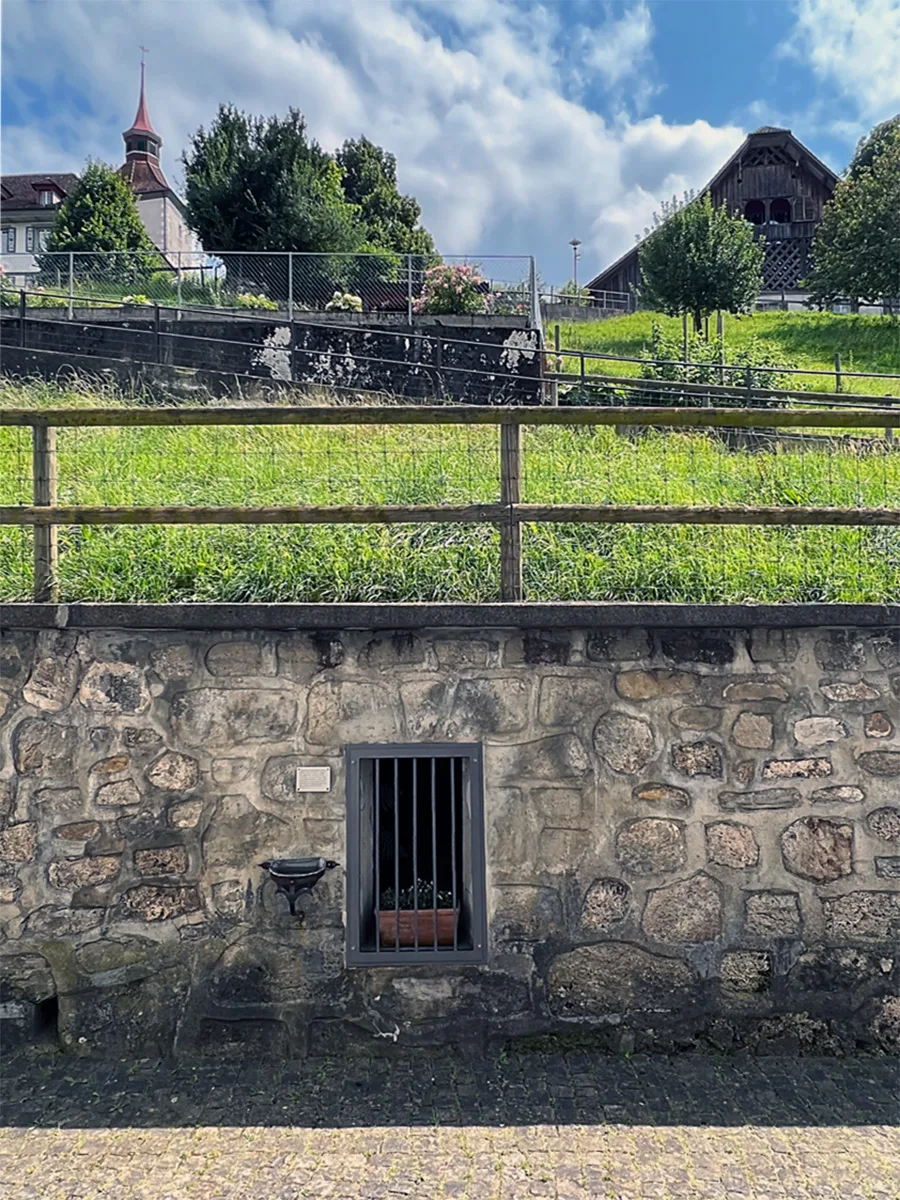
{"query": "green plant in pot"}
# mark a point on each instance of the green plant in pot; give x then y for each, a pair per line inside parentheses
(417, 916)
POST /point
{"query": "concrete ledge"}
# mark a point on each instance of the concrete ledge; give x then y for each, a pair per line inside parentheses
(447, 616)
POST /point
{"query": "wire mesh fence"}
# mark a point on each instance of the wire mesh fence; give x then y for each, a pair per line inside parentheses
(438, 554)
(273, 281)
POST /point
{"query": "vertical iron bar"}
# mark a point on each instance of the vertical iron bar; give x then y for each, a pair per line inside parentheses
(557, 367)
(397, 855)
(46, 588)
(453, 850)
(409, 289)
(178, 287)
(415, 803)
(22, 317)
(71, 312)
(837, 373)
(377, 855)
(156, 333)
(290, 309)
(434, 887)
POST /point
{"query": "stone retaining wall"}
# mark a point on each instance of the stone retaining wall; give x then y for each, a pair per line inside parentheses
(693, 837)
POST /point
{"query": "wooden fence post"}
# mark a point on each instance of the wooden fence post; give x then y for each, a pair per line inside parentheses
(510, 530)
(837, 373)
(43, 443)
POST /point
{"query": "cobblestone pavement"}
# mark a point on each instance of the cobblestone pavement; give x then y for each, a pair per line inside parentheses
(566, 1125)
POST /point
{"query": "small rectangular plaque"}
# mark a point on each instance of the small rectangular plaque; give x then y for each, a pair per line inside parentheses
(314, 779)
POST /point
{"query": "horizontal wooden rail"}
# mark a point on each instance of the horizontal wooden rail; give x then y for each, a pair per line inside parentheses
(463, 414)
(386, 514)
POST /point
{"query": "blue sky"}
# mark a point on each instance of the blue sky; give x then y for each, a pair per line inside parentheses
(517, 125)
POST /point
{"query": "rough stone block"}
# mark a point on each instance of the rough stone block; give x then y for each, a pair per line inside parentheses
(818, 849)
(885, 763)
(649, 684)
(114, 765)
(841, 650)
(819, 731)
(766, 798)
(874, 915)
(773, 645)
(753, 731)
(51, 685)
(52, 921)
(887, 649)
(26, 977)
(77, 831)
(350, 712)
(73, 873)
(624, 742)
(884, 823)
(616, 977)
(241, 835)
(489, 706)
(463, 654)
(303, 656)
(689, 911)
(842, 794)
(555, 759)
(618, 645)
(797, 768)
(744, 771)
(524, 912)
(228, 771)
(141, 740)
(147, 902)
(217, 717)
(232, 659)
(712, 646)
(561, 849)
(755, 691)
(878, 725)
(173, 772)
(650, 845)
(697, 718)
(402, 648)
(122, 792)
(161, 860)
(662, 793)
(772, 914)
(41, 747)
(697, 758)
(887, 868)
(229, 898)
(185, 816)
(16, 655)
(173, 662)
(58, 802)
(536, 647)
(746, 971)
(114, 688)
(561, 805)
(426, 703)
(567, 700)
(605, 903)
(112, 955)
(841, 692)
(18, 843)
(731, 845)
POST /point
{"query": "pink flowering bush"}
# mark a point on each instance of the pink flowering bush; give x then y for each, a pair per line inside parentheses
(451, 290)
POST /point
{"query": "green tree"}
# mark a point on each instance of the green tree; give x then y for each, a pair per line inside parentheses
(391, 219)
(856, 250)
(260, 183)
(100, 214)
(869, 148)
(700, 258)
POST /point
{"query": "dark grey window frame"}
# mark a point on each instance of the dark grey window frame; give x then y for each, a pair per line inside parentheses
(474, 860)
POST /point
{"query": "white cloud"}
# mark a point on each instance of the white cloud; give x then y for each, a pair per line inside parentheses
(852, 46)
(475, 98)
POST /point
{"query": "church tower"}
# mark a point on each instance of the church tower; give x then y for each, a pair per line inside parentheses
(142, 144)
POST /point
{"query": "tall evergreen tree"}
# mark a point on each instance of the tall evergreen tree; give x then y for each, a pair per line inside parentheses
(391, 220)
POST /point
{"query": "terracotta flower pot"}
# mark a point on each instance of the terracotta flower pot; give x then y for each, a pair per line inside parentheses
(408, 926)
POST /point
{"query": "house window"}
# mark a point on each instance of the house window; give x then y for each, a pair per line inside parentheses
(780, 212)
(755, 212)
(29, 238)
(9, 240)
(415, 855)
(46, 198)
(142, 144)
(152, 147)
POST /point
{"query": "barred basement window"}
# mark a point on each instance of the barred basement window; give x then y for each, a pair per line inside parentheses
(415, 854)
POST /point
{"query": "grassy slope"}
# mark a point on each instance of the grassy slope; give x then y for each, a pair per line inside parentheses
(399, 465)
(807, 340)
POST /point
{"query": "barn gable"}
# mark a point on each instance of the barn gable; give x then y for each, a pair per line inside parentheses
(780, 186)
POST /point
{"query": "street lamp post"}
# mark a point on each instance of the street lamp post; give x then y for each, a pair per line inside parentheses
(576, 254)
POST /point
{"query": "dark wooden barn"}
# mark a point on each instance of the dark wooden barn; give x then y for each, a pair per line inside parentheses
(780, 187)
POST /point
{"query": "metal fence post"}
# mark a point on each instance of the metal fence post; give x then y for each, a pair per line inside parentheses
(43, 441)
(22, 317)
(71, 312)
(510, 529)
(409, 289)
(178, 287)
(557, 368)
(157, 338)
(837, 373)
(290, 258)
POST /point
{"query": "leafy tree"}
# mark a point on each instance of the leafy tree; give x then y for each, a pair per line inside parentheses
(391, 220)
(100, 214)
(576, 295)
(869, 148)
(856, 250)
(260, 183)
(700, 258)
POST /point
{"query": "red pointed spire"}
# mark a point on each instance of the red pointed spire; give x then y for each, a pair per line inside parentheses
(142, 122)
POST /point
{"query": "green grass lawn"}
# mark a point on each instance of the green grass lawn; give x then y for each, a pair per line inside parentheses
(808, 340)
(406, 465)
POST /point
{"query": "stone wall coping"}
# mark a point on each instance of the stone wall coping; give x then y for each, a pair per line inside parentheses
(567, 615)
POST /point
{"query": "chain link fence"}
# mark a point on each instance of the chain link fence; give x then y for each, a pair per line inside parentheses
(272, 281)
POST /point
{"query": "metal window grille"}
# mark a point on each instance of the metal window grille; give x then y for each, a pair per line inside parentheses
(29, 238)
(415, 856)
